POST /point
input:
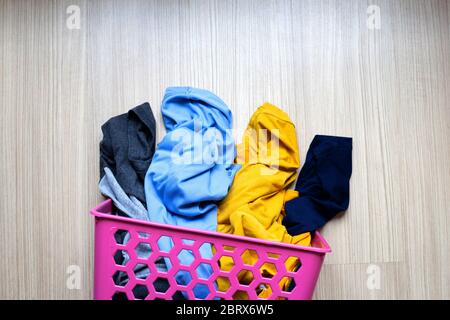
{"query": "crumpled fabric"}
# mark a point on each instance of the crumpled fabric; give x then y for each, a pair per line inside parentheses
(127, 149)
(323, 184)
(192, 169)
(128, 205)
(254, 206)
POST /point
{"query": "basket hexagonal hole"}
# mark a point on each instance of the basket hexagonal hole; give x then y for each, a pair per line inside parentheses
(183, 277)
(273, 255)
(206, 250)
(141, 271)
(249, 257)
(228, 248)
(163, 264)
(188, 242)
(178, 295)
(140, 291)
(287, 284)
(121, 257)
(293, 263)
(281, 298)
(268, 270)
(223, 284)
(240, 295)
(119, 296)
(226, 263)
(120, 278)
(143, 250)
(245, 277)
(186, 257)
(261, 288)
(204, 271)
(161, 285)
(201, 291)
(165, 244)
(122, 237)
(143, 235)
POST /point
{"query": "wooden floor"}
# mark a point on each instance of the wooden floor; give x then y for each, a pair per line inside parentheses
(388, 88)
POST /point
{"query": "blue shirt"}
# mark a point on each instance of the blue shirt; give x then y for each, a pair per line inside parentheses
(191, 170)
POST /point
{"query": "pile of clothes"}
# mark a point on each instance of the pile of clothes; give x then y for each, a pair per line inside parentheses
(197, 177)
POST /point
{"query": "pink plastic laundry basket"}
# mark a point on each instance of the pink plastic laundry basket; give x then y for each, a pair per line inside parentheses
(107, 225)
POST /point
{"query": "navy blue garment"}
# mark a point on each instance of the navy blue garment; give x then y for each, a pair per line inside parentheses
(323, 185)
(127, 149)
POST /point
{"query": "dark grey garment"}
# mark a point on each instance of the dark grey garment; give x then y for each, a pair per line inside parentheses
(127, 149)
(132, 208)
(126, 152)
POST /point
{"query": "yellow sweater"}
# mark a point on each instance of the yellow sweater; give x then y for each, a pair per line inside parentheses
(254, 206)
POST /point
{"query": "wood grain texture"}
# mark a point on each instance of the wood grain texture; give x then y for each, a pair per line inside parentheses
(389, 89)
